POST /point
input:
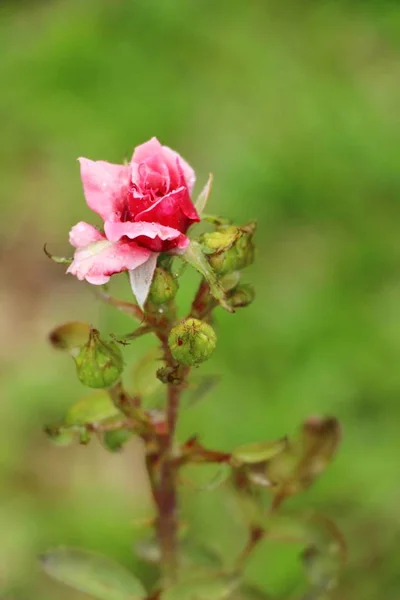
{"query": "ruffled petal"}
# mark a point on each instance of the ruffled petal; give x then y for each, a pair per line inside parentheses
(83, 234)
(105, 186)
(153, 236)
(173, 210)
(158, 157)
(99, 260)
(178, 164)
(146, 151)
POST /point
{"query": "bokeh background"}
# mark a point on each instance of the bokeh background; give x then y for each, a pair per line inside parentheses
(294, 106)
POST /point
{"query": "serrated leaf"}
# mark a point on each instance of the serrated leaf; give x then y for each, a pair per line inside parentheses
(257, 452)
(195, 257)
(70, 336)
(210, 588)
(94, 407)
(93, 574)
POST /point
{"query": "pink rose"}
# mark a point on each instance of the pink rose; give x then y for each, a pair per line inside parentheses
(146, 209)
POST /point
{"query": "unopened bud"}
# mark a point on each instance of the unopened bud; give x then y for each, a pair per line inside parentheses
(242, 296)
(164, 286)
(230, 248)
(99, 363)
(192, 341)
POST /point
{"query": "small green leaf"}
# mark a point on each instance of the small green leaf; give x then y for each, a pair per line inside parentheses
(257, 452)
(92, 574)
(94, 407)
(61, 436)
(116, 440)
(210, 588)
(70, 336)
(213, 476)
(195, 257)
(303, 459)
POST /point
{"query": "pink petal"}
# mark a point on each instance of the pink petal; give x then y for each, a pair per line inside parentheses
(83, 234)
(105, 186)
(115, 231)
(177, 163)
(173, 210)
(156, 155)
(98, 261)
(154, 236)
(146, 151)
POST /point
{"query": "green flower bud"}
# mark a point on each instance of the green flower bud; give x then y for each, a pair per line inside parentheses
(163, 287)
(242, 296)
(99, 363)
(192, 341)
(230, 248)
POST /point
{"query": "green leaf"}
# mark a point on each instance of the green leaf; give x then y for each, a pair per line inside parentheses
(257, 452)
(195, 257)
(303, 459)
(70, 336)
(93, 574)
(210, 588)
(116, 440)
(94, 407)
(208, 477)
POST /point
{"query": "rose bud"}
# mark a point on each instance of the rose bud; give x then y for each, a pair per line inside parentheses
(164, 286)
(99, 363)
(230, 248)
(192, 342)
(242, 296)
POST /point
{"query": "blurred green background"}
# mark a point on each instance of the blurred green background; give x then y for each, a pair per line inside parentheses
(294, 106)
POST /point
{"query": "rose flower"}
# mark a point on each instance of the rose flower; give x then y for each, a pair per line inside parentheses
(146, 209)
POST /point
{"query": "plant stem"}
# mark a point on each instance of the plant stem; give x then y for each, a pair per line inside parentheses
(167, 524)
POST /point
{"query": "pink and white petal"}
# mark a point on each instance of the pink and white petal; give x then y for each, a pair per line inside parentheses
(83, 234)
(115, 231)
(98, 261)
(180, 166)
(141, 278)
(105, 186)
(146, 151)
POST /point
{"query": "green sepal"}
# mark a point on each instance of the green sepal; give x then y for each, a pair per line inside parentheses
(61, 260)
(196, 258)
